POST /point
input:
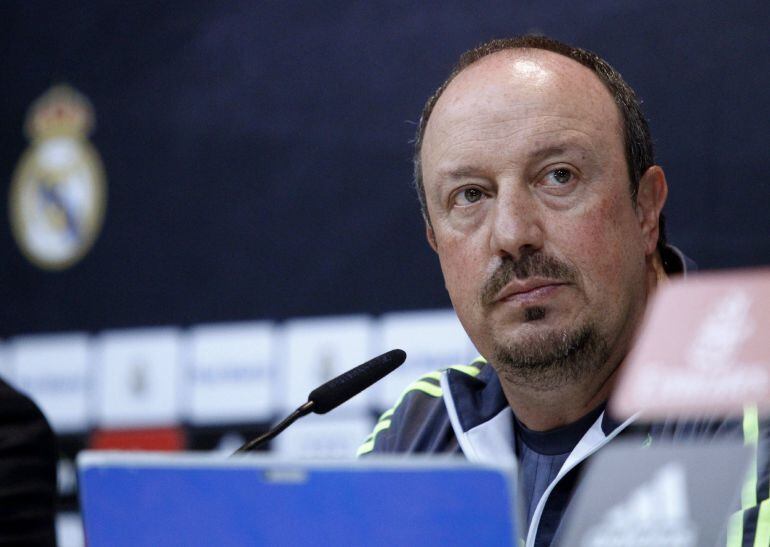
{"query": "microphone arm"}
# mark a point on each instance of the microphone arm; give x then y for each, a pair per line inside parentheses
(335, 392)
(274, 432)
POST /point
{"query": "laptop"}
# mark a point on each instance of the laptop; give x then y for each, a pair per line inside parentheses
(663, 495)
(137, 499)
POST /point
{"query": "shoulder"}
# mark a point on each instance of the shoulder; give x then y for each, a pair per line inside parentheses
(23, 427)
(418, 421)
(28, 456)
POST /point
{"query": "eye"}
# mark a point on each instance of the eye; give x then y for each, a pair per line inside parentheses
(559, 177)
(468, 196)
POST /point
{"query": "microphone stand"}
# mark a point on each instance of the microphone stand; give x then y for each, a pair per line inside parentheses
(293, 417)
(335, 392)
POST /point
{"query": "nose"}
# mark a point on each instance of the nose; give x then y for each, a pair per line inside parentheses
(517, 224)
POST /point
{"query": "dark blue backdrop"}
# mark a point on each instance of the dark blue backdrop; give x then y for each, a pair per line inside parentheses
(258, 154)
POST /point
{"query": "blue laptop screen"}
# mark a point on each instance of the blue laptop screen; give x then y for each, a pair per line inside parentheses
(194, 503)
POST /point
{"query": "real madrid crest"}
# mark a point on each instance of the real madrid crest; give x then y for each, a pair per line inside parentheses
(58, 193)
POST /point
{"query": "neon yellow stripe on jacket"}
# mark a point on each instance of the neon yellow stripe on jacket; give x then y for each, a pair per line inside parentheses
(384, 422)
(749, 490)
(420, 385)
(762, 536)
(750, 436)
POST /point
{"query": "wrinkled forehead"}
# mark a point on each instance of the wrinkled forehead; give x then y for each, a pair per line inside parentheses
(521, 84)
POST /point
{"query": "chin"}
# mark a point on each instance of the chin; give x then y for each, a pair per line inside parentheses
(548, 358)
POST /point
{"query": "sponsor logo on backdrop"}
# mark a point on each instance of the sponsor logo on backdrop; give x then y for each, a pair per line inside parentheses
(137, 379)
(58, 192)
(656, 513)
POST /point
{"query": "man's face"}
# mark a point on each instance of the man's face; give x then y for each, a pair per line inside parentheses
(528, 194)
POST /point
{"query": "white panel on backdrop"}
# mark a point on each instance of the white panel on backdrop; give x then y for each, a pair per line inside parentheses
(69, 530)
(316, 350)
(54, 372)
(432, 340)
(324, 436)
(230, 373)
(138, 378)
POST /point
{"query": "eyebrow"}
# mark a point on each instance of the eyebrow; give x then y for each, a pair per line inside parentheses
(548, 151)
(463, 171)
(558, 149)
(469, 170)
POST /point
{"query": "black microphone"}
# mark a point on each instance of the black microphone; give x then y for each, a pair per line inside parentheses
(335, 392)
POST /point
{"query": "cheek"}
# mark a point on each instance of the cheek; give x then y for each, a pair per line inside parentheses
(607, 244)
(453, 265)
(463, 272)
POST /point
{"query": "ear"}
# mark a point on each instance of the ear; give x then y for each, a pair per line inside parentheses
(650, 198)
(430, 236)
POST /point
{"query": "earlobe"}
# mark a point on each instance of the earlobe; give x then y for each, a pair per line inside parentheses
(650, 198)
(430, 236)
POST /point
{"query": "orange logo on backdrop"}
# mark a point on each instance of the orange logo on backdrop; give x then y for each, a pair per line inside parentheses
(703, 349)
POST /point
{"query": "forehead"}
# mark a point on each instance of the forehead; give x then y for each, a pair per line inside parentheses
(533, 94)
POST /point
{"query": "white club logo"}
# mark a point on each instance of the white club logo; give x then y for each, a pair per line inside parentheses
(58, 192)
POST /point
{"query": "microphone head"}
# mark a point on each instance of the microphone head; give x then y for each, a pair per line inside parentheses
(345, 386)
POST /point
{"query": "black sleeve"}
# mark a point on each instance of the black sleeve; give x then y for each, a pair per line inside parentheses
(28, 456)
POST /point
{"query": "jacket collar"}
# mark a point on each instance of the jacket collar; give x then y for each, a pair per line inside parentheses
(482, 423)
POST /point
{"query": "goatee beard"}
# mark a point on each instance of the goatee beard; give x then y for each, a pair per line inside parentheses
(550, 360)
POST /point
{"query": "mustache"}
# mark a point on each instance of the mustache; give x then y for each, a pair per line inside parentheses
(529, 265)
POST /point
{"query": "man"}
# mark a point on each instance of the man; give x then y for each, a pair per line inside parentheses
(535, 171)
